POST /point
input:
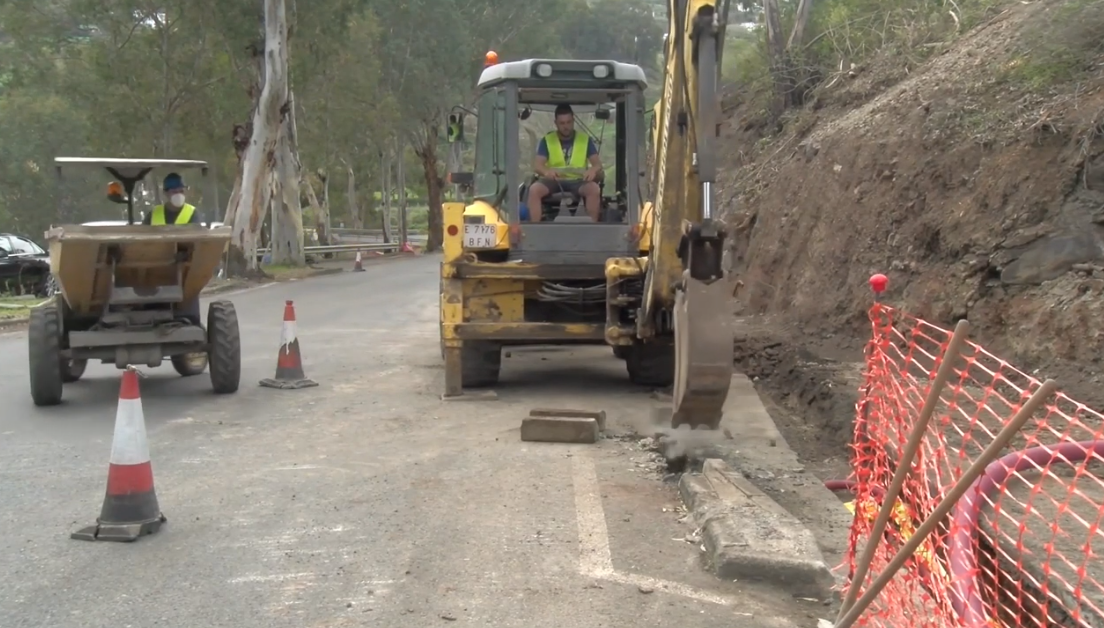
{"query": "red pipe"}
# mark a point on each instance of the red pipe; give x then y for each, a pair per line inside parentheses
(966, 597)
(967, 600)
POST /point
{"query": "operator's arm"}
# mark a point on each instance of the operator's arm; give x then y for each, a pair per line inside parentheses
(196, 219)
(540, 164)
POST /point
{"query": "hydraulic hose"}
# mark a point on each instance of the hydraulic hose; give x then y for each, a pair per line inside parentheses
(966, 596)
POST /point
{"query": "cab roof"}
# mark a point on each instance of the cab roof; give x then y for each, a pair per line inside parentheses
(111, 162)
(579, 72)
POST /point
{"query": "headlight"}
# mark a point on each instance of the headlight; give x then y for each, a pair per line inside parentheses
(601, 71)
(544, 70)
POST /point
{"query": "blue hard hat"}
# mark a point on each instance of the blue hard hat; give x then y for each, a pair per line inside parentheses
(173, 181)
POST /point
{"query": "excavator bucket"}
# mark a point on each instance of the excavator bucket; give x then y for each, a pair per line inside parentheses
(703, 352)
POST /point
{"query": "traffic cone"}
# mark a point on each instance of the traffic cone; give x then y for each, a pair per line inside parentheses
(130, 508)
(289, 364)
(406, 248)
(358, 265)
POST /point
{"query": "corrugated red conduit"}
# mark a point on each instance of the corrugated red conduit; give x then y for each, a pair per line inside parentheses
(967, 599)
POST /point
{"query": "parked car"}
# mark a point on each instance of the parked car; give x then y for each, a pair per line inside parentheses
(24, 267)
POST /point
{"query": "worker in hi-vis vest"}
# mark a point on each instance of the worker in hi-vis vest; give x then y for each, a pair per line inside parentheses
(567, 161)
(176, 211)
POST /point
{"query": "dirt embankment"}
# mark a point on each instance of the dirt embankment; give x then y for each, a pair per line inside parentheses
(974, 184)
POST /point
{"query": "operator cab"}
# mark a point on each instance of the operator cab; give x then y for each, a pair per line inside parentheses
(516, 110)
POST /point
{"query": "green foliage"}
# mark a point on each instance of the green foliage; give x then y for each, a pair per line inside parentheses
(1064, 47)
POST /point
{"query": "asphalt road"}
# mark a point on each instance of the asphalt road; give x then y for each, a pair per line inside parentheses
(366, 501)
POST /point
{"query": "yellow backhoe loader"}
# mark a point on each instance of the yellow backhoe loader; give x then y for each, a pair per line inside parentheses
(646, 277)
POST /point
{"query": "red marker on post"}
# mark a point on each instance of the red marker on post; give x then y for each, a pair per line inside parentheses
(878, 283)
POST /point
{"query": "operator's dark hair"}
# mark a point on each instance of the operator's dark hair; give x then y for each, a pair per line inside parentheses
(564, 110)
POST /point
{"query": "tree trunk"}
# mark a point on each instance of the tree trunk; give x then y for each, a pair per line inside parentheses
(385, 194)
(287, 212)
(427, 154)
(326, 206)
(351, 196)
(801, 21)
(319, 209)
(454, 163)
(255, 194)
(404, 235)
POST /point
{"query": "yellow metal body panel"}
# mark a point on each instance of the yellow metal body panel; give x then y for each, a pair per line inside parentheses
(494, 301)
(80, 260)
(490, 216)
(677, 189)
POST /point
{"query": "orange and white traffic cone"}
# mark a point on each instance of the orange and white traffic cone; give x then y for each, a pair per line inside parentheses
(289, 364)
(130, 509)
(358, 265)
(406, 248)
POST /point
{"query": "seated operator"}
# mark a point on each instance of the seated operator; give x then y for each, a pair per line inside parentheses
(562, 158)
(176, 211)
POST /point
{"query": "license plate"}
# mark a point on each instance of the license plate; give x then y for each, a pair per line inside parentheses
(480, 236)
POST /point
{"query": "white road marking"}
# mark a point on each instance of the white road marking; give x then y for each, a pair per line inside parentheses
(275, 577)
(595, 559)
(594, 551)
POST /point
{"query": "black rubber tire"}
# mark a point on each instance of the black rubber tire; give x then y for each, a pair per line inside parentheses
(72, 370)
(44, 356)
(185, 368)
(480, 363)
(651, 364)
(224, 347)
(621, 352)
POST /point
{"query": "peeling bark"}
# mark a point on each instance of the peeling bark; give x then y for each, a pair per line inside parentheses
(249, 206)
(426, 149)
(385, 195)
(351, 197)
(404, 232)
(287, 212)
(321, 209)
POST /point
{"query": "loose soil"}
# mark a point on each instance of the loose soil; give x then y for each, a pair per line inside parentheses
(979, 195)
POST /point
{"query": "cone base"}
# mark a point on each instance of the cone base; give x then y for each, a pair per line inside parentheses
(119, 532)
(288, 384)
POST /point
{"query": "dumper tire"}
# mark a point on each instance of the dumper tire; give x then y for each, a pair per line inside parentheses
(480, 363)
(651, 364)
(224, 347)
(44, 356)
(72, 370)
(187, 368)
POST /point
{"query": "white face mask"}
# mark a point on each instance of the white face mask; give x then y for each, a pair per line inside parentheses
(177, 200)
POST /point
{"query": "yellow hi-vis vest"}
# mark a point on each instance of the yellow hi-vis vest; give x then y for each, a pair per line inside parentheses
(183, 218)
(556, 160)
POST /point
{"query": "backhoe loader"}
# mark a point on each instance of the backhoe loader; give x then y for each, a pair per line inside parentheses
(645, 277)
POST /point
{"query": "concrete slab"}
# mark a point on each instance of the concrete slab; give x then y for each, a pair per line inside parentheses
(748, 537)
(478, 395)
(597, 415)
(559, 430)
(748, 533)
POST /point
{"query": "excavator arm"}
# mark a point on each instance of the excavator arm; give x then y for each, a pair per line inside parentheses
(685, 294)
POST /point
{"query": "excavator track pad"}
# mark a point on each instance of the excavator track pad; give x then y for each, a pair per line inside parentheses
(703, 352)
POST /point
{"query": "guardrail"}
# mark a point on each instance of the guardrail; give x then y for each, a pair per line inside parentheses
(344, 248)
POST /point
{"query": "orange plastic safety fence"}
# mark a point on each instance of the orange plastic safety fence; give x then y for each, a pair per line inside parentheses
(1020, 549)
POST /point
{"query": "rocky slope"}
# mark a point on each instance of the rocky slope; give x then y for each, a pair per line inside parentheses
(979, 193)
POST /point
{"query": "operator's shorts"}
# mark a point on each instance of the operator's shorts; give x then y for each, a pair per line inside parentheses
(555, 186)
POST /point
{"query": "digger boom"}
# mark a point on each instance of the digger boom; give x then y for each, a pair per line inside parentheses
(685, 292)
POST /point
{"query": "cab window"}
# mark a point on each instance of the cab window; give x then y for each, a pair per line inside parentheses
(490, 145)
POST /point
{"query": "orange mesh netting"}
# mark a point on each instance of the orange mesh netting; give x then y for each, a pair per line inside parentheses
(1019, 549)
